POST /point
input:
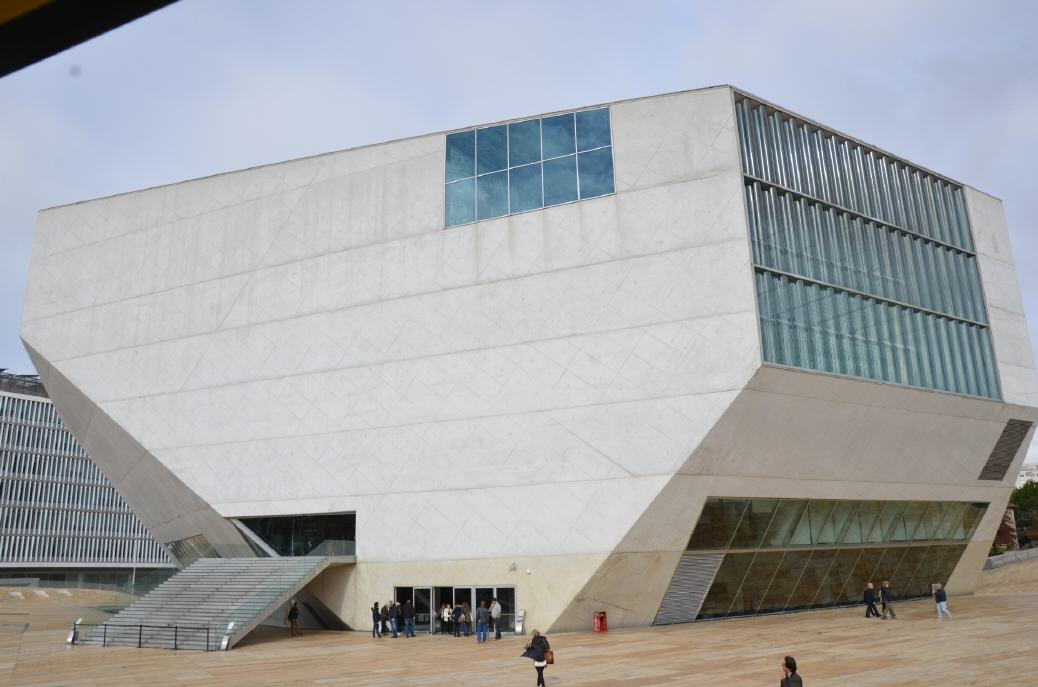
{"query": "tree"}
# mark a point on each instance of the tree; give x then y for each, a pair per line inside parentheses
(1026, 501)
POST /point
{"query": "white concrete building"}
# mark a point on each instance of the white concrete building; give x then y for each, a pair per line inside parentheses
(529, 359)
(1028, 473)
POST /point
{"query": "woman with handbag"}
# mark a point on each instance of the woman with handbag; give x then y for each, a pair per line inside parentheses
(540, 651)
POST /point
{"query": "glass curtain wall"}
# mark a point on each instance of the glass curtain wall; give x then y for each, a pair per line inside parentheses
(864, 266)
(300, 535)
(510, 168)
(56, 506)
(792, 554)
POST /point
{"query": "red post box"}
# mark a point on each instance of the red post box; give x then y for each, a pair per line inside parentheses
(601, 621)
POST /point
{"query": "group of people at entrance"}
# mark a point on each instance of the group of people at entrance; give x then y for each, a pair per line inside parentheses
(458, 620)
(392, 617)
(398, 619)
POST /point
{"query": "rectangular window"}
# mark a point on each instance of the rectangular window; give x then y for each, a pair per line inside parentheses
(528, 165)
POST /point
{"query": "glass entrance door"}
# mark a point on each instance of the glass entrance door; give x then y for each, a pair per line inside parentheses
(423, 609)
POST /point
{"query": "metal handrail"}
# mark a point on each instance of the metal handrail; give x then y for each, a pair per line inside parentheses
(178, 641)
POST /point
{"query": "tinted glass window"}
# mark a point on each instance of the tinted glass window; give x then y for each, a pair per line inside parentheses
(491, 149)
(492, 195)
(560, 180)
(558, 137)
(461, 202)
(525, 188)
(461, 155)
(593, 129)
(538, 163)
(524, 142)
(596, 172)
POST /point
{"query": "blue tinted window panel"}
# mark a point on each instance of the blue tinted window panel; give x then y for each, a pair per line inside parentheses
(560, 180)
(525, 188)
(461, 202)
(593, 129)
(816, 327)
(558, 136)
(491, 149)
(596, 172)
(524, 143)
(461, 155)
(492, 195)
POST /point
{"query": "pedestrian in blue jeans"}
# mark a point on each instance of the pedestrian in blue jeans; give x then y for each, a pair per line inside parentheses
(482, 616)
(408, 613)
(394, 619)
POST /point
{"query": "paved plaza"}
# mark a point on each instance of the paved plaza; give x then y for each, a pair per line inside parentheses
(990, 642)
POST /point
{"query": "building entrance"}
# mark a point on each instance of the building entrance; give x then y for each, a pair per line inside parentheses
(421, 597)
(429, 603)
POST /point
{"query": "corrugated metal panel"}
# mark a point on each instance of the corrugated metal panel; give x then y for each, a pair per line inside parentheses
(691, 581)
(1005, 450)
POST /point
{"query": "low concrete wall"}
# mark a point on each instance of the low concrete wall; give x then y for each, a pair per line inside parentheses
(1010, 557)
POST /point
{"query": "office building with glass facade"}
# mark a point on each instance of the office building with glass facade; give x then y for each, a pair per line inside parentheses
(682, 357)
(60, 519)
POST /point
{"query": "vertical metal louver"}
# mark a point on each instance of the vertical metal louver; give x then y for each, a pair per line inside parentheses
(1005, 450)
(692, 579)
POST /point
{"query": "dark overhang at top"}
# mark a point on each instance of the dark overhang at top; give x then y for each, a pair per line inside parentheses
(33, 30)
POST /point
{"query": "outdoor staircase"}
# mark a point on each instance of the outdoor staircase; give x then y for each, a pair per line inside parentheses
(194, 609)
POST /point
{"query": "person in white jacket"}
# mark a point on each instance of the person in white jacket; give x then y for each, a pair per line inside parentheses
(495, 617)
(445, 615)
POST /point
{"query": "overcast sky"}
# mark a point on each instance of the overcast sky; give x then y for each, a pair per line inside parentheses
(210, 86)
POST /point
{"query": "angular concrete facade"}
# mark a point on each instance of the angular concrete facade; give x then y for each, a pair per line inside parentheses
(543, 400)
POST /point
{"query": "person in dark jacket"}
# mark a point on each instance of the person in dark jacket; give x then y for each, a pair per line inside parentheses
(384, 615)
(394, 618)
(886, 596)
(376, 621)
(870, 602)
(458, 614)
(293, 619)
(535, 649)
(941, 597)
(789, 673)
(408, 614)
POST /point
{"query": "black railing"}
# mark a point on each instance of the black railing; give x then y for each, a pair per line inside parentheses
(144, 636)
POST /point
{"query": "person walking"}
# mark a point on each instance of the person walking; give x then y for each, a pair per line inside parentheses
(293, 619)
(537, 649)
(495, 617)
(457, 615)
(886, 596)
(482, 617)
(870, 602)
(384, 617)
(376, 622)
(941, 597)
(408, 613)
(789, 673)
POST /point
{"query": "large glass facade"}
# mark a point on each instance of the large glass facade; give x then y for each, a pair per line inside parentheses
(304, 535)
(56, 507)
(509, 168)
(864, 265)
(792, 554)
